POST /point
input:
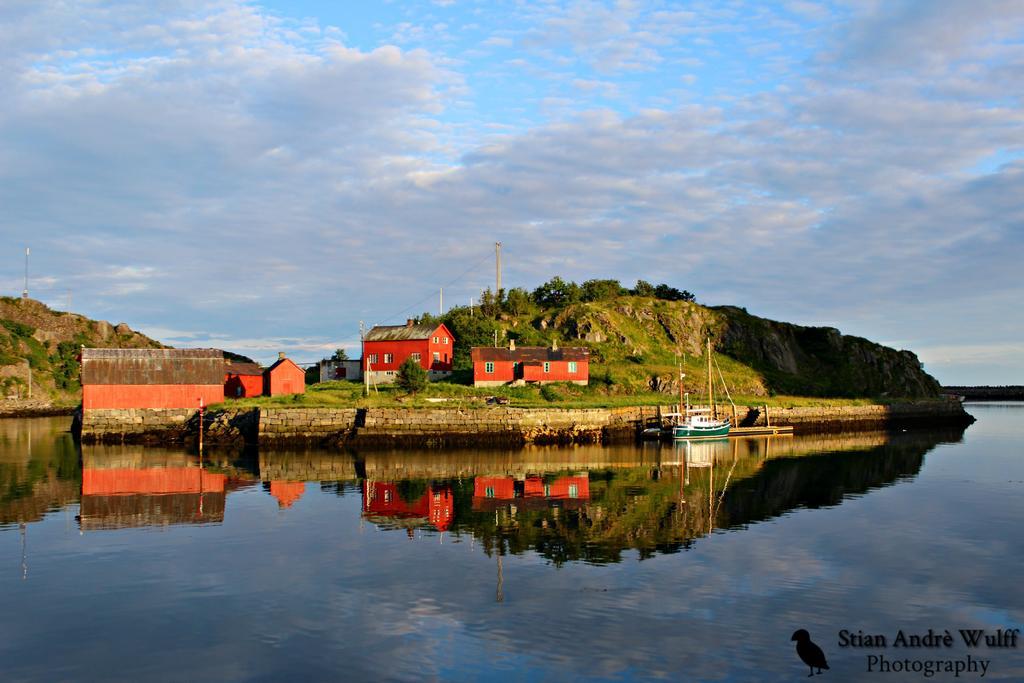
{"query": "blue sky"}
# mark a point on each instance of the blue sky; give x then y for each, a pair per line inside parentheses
(263, 176)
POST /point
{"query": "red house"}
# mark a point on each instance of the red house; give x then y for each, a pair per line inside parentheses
(284, 377)
(494, 366)
(242, 380)
(151, 378)
(386, 347)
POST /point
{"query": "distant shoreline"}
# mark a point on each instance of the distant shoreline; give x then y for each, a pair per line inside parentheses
(988, 393)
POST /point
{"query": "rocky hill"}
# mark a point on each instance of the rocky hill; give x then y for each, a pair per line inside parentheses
(38, 342)
(637, 342)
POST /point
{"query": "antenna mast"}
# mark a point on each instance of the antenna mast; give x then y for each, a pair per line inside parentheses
(24, 292)
(497, 268)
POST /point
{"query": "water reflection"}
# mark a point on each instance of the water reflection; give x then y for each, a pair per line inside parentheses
(587, 503)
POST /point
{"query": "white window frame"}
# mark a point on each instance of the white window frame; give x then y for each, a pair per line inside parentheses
(572, 367)
(435, 340)
(445, 340)
(437, 356)
(547, 366)
(389, 358)
(373, 359)
(415, 355)
(489, 367)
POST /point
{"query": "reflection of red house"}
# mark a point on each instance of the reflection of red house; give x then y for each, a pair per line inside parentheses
(494, 366)
(242, 380)
(287, 492)
(487, 490)
(383, 499)
(284, 377)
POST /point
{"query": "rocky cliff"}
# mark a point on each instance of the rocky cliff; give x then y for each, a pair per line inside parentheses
(42, 345)
(640, 340)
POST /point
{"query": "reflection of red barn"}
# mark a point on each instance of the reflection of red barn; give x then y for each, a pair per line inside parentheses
(124, 497)
(284, 377)
(494, 366)
(383, 499)
(529, 491)
(151, 378)
(287, 492)
(242, 380)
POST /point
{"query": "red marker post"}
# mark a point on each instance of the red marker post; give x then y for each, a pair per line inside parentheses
(200, 425)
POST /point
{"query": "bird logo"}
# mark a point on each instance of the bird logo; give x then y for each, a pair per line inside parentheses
(810, 653)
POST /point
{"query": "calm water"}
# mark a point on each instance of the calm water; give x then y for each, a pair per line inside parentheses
(655, 562)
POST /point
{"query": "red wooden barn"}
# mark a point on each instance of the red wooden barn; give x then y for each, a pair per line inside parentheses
(242, 380)
(386, 347)
(151, 378)
(494, 366)
(284, 377)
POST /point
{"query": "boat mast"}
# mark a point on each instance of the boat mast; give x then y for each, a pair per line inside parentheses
(681, 375)
(711, 396)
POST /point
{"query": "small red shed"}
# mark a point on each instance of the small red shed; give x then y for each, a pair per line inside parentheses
(536, 364)
(242, 380)
(386, 347)
(284, 377)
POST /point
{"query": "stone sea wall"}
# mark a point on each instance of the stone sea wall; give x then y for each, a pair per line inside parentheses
(378, 428)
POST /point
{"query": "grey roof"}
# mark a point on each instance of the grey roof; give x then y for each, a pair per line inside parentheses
(530, 354)
(235, 367)
(400, 332)
(152, 366)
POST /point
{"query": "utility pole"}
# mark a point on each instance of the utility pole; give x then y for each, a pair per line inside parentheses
(24, 292)
(497, 267)
(363, 360)
(440, 305)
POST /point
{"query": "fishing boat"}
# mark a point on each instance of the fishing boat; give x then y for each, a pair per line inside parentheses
(696, 423)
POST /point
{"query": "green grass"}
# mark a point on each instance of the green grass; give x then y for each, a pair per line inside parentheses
(345, 394)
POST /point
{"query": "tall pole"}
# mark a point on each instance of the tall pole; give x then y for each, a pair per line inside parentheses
(497, 267)
(363, 359)
(24, 292)
(440, 303)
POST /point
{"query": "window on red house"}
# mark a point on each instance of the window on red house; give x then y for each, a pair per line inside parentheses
(389, 358)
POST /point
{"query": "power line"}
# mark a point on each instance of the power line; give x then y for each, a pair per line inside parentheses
(461, 275)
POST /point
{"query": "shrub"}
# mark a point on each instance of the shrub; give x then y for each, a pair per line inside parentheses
(411, 376)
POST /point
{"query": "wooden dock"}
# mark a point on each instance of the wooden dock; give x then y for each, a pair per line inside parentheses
(760, 431)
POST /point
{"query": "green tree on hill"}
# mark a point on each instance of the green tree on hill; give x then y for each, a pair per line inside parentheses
(601, 290)
(556, 292)
(411, 376)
